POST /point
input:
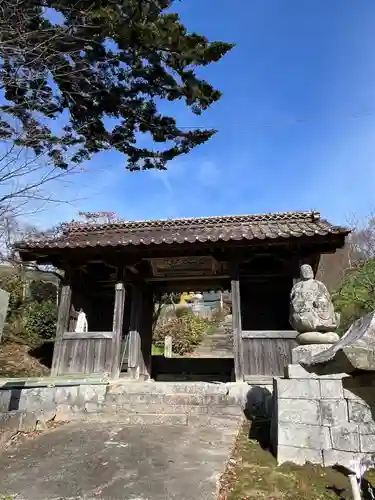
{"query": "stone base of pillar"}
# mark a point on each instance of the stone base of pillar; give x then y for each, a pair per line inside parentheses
(304, 353)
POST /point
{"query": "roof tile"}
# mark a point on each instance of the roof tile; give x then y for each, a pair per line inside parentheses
(170, 231)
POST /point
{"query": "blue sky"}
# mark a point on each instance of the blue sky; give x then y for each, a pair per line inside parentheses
(296, 121)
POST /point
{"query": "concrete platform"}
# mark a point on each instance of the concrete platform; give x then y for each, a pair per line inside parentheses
(112, 461)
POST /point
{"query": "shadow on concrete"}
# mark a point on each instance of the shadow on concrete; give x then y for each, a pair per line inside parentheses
(258, 410)
(15, 394)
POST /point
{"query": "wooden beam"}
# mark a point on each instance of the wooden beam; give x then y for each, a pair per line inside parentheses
(179, 286)
(186, 278)
(269, 334)
(237, 328)
(132, 269)
(118, 319)
(62, 324)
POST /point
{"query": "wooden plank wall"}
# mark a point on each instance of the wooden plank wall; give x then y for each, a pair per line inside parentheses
(84, 353)
(73, 316)
(267, 352)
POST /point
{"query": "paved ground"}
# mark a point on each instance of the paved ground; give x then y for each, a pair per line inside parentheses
(216, 344)
(107, 461)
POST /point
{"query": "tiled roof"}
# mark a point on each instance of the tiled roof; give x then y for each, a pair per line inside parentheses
(207, 229)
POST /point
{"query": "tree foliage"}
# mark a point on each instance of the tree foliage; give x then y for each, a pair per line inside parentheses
(85, 62)
(98, 217)
(186, 330)
(40, 320)
(355, 294)
(41, 291)
(30, 319)
(13, 283)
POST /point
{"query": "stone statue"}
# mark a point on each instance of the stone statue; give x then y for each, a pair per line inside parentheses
(311, 310)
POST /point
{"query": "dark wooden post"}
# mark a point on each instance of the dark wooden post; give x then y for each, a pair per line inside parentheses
(237, 328)
(118, 319)
(62, 324)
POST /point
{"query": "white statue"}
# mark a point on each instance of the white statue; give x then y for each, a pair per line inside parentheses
(81, 325)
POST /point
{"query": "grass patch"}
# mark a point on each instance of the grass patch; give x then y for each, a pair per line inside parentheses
(157, 350)
(252, 474)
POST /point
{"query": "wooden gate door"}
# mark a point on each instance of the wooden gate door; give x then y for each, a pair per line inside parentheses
(267, 339)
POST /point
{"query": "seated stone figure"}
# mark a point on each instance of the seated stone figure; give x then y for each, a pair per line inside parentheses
(311, 310)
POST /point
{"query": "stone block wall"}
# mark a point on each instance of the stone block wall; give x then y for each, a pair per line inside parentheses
(328, 420)
(24, 408)
(29, 408)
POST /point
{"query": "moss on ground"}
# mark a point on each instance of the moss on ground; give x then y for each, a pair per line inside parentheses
(252, 473)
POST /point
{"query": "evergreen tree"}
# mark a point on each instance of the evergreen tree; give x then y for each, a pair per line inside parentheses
(83, 61)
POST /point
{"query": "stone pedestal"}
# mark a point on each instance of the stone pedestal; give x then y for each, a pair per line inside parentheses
(308, 338)
(304, 353)
(298, 372)
(325, 420)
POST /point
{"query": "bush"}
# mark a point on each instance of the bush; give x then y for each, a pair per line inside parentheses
(356, 294)
(186, 331)
(182, 311)
(40, 320)
(13, 284)
(30, 321)
(42, 290)
(218, 316)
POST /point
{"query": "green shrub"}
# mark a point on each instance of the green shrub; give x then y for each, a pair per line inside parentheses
(186, 332)
(218, 316)
(42, 290)
(356, 294)
(40, 320)
(13, 284)
(182, 311)
(32, 320)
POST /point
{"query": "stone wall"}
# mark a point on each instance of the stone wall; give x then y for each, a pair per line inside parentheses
(24, 408)
(325, 420)
(27, 408)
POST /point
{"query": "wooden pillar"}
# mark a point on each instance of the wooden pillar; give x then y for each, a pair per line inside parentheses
(237, 328)
(134, 333)
(140, 333)
(118, 319)
(146, 331)
(62, 323)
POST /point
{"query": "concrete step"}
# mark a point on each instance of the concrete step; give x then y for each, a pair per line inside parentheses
(137, 419)
(170, 399)
(130, 418)
(146, 408)
(196, 388)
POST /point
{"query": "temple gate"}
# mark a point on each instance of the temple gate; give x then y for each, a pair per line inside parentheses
(116, 271)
